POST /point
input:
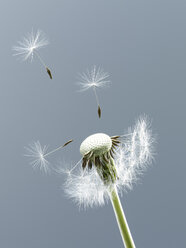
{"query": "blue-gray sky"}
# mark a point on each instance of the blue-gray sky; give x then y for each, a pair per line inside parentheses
(142, 46)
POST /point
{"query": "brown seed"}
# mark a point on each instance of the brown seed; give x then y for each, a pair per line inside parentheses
(105, 159)
(49, 72)
(108, 155)
(115, 143)
(112, 149)
(111, 154)
(97, 161)
(104, 166)
(84, 163)
(90, 164)
(88, 155)
(68, 142)
(115, 137)
(99, 111)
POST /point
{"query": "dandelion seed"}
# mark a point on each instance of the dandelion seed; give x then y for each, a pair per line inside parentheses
(94, 78)
(38, 155)
(49, 72)
(29, 47)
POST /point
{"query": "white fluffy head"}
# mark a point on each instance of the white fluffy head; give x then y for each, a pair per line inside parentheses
(37, 153)
(95, 77)
(30, 43)
(99, 143)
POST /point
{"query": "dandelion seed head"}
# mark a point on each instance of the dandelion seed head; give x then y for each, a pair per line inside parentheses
(98, 143)
(37, 153)
(96, 77)
(30, 43)
(88, 187)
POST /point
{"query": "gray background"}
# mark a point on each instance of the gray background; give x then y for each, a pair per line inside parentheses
(142, 45)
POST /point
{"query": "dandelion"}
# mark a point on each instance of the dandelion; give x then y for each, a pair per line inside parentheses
(94, 78)
(38, 154)
(29, 47)
(110, 165)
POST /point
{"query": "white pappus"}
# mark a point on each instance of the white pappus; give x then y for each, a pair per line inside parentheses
(29, 47)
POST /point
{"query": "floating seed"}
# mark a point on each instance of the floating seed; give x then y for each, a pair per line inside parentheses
(49, 72)
(68, 142)
(99, 111)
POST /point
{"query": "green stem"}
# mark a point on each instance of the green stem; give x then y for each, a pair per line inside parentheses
(121, 220)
